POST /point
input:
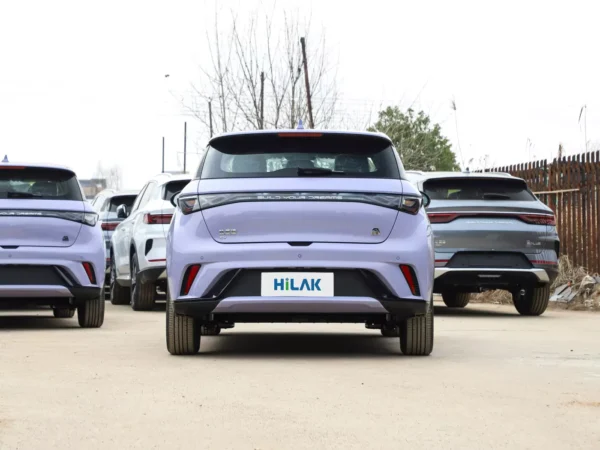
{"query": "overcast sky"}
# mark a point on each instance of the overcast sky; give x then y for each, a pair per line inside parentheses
(82, 82)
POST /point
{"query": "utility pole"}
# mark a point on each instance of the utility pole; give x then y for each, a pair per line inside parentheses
(308, 101)
(262, 101)
(184, 144)
(210, 117)
(163, 156)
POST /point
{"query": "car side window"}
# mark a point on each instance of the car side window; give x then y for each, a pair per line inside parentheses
(138, 199)
(147, 194)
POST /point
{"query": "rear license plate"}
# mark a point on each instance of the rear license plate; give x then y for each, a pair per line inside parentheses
(296, 284)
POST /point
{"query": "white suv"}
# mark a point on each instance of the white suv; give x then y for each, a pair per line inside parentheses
(137, 252)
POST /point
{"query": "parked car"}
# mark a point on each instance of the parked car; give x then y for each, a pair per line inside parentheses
(137, 251)
(491, 232)
(106, 204)
(52, 248)
(300, 226)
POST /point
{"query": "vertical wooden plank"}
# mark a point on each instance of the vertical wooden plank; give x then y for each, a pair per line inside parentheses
(581, 233)
(597, 219)
(589, 250)
(568, 209)
(593, 263)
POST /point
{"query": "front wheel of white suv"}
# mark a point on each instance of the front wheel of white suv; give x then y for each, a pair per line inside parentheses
(142, 294)
(532, 302)
(90, 313)
(183, 332)
(416, 334)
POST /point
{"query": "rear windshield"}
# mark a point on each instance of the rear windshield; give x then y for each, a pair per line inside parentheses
(126, 200)
(39, 184)
(173, 187)
(477, 189)
(269, 155)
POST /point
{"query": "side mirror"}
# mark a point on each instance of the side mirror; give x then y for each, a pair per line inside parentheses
(426, 200)
(174, 198)
(122, 212)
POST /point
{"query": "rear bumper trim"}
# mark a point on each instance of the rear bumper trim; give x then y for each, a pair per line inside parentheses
(540, 274)
(295, 305)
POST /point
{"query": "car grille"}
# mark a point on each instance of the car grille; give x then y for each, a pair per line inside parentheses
(504, 260)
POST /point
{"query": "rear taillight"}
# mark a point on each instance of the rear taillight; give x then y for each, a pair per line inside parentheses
(441, 217)
(406, 203)
(188, 278)
(89, 270)
(539, 219)
(411, 278)
(109, 226)
(157, 219)
(88, 218)
(534, 219)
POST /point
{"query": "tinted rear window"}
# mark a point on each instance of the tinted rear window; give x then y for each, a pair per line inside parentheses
(126, 200)
(269, 155)
(477, 189)
(39, 183)
(173, 187)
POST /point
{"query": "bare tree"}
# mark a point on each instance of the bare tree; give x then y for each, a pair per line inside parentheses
(112, 175)
(263, 51)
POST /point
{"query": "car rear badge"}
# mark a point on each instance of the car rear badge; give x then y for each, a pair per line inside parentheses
(375, 232)
(227, 232)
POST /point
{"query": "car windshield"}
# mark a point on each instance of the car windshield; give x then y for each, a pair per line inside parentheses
(288, 155)
(117, 200)
(477, 189)
(38, 183)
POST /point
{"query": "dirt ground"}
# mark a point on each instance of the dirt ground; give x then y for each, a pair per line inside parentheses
(494, 380)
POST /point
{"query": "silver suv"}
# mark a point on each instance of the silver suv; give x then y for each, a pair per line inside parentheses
(490, 232)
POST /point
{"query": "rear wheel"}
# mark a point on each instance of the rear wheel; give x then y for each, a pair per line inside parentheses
(533, 302)
(454, 299)
(119, 295)
(142, 294)
(90, 313)
(63, 313)
(416, 334)
(183, 332)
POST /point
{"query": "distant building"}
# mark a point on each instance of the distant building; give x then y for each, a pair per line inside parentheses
(92, 186)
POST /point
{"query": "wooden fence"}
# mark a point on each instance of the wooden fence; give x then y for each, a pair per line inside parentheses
(571, 187)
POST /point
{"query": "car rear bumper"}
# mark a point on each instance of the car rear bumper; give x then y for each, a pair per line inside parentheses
(492, 278)
(360, 306)
(17, 294)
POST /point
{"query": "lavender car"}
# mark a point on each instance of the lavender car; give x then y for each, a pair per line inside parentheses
(300, 226)
(51, 246)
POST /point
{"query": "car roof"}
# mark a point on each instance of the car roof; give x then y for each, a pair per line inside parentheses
(166, 177)
(37, 166)
(299, 132)
(417, 175)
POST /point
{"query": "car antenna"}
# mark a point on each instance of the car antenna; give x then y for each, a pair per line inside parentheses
(300, 125)
(5, 158)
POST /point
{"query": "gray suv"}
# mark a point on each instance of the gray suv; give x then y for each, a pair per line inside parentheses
(490, 232)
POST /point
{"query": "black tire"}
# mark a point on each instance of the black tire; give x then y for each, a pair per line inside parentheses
(63, 313)
(90, 313)
(183, 332)
(454, 299)
(390, 331)
(534, 302)
(416, 334)
(142, 295)
(119, 295)
(208, 330)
